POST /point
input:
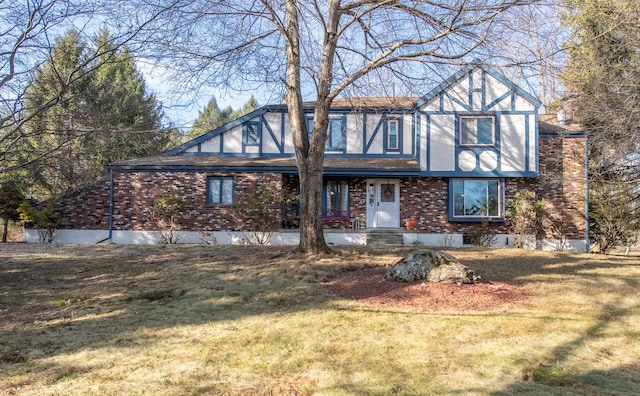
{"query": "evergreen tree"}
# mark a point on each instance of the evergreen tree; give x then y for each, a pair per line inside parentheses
(123, 115)
(211, 117)
(103, 117)
(10, 199)
(251, 105)
(58, 127)
(603, 72)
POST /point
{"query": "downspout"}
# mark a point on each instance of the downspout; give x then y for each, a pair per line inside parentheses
(111, 204)
(586, 195)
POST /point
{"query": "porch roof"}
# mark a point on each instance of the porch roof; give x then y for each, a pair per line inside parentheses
(337, 166)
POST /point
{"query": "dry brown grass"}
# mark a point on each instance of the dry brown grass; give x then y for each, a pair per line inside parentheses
(177, 320)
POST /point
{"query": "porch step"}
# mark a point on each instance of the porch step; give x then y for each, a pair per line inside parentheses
(384, 237)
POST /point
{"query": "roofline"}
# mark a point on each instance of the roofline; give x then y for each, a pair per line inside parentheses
(568, 134)
(273, 108)
(217, 131)
(466, 70)
(356, 172)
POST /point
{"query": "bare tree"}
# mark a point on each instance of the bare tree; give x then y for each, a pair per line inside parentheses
(529, 44)
(317, 49)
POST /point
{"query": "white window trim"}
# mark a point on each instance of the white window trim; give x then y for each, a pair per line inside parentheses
(476, 117)
(397, 122)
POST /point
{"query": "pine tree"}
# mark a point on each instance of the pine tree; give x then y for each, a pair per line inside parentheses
(104, 115)
(124, 117)
(54, 132)
(211, 117)
(10, 199)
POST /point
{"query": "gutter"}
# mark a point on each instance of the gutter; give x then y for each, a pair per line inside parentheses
(586, 195)
(110, 203)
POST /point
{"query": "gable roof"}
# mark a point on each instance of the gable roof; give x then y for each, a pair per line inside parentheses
(340, 104)
(400, 104)
(468, 69)
(371, 102)
(238, 121)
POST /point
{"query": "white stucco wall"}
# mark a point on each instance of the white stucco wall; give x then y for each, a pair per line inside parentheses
(442, 151)
(513, 143)
(376, 144)
(232, 140)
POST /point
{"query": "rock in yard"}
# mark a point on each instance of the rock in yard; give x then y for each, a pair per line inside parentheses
(431, 266)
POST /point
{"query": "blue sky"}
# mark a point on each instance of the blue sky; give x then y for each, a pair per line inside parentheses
(180, 108)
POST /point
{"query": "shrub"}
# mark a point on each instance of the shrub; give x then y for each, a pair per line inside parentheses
(167, 213)
(260, 211)
(526, 214)
(45, 217)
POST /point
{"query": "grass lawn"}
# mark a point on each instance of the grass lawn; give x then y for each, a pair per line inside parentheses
(224, 320)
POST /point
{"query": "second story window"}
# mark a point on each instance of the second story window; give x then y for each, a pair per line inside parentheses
(337, 135)
(477, 131)
(252, 134)
(392, 134)
(309, 120)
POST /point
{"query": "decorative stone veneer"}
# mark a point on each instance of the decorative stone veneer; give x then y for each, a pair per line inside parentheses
(561, 184)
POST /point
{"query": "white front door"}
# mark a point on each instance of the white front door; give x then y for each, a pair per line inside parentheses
(383, 203)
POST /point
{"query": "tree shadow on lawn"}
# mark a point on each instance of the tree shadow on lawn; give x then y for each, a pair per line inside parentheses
(57, 299)
(61, 300)
(562, 374)
(586, 275)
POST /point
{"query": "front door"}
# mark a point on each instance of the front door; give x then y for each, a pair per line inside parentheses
(383, 203)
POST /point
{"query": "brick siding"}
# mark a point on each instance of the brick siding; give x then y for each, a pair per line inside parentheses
(561, 184)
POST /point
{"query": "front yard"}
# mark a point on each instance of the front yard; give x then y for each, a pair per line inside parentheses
(238, 320)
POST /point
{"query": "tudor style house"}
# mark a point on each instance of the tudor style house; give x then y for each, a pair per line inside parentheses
(451, 159)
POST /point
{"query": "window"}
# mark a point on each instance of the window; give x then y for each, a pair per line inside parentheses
(252, 134)
(477, 131)
(309, 120)
(337, 135)
(476, 199)
(337, 198)
(392, 135)
(388, 193)
(220, 190)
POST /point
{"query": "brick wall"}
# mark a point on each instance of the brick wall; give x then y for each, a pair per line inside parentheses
(134, 194)
(561, 184)
(87, 207)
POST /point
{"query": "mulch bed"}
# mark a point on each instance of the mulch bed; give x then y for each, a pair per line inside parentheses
(370, 286)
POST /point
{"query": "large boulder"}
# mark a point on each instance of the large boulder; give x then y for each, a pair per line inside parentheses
(431, 266)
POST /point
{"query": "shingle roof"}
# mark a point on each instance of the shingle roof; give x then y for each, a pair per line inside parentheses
(372, 102)
(332, 165)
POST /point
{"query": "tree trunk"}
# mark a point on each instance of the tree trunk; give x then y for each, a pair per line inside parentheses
(311, 225)
(5, 230)
(309, 155)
